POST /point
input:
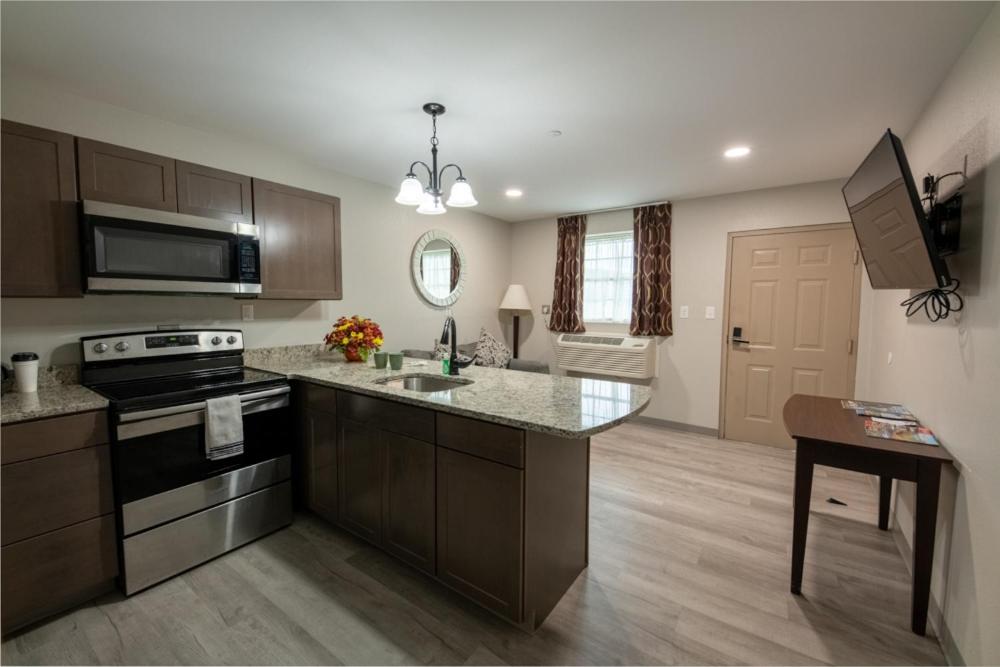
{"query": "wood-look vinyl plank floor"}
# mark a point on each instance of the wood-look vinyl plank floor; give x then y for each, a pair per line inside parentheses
(690, 540)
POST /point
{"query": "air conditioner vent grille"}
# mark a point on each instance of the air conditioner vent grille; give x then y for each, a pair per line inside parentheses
(618, 356)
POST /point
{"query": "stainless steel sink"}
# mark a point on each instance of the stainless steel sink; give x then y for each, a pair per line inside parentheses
(424, 383)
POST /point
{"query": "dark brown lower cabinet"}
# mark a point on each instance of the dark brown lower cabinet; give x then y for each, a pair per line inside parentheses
(479, 530)
(360, 479)
(408, 500)
(58, 526)
(496, 513)
(46, 574)
(320, 453)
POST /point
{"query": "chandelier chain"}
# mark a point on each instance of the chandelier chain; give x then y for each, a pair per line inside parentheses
(434, 126)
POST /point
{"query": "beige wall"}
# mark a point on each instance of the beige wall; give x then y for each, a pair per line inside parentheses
(687, 389)
(378, 235)
(949, 372)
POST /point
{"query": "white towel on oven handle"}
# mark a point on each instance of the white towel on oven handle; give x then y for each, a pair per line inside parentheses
(223, 427)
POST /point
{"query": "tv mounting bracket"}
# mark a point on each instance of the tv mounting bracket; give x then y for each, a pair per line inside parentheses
(945, 217)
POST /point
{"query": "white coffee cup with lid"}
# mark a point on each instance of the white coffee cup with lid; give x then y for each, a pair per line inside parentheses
(25, 371)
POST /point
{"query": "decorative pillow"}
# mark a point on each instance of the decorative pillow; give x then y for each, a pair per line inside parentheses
(491, 352)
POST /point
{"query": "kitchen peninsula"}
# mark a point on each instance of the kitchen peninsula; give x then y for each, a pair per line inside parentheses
(483, 486)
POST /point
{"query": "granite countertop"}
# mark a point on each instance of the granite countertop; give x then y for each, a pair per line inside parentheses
(49, 401)
(563, 406)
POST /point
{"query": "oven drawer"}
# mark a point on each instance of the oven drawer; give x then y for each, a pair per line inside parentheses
(172, 548)
(154, 510)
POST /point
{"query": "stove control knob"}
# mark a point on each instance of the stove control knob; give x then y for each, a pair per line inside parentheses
(122, 346)
(231, 340)
(216, 340)
(101, 348)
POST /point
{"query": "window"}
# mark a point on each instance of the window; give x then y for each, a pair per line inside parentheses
(607, 278)
(435, 267)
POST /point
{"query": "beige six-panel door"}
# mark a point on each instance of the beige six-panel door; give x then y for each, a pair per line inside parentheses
(793, 303)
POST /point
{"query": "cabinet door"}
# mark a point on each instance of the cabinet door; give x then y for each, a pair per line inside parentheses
(122, 175)
(408, 500)
(321, 463)
(479, 530)
(213, 193)
(41, 247)
(299, 242)
(53, 572)
(359, 464)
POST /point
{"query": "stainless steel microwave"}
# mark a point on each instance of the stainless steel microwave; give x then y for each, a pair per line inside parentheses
(130, 249)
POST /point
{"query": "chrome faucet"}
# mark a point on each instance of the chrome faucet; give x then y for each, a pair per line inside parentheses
(450, 335)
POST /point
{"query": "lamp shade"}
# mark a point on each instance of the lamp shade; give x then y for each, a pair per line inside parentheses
(461, 194)
(411, 191)
(516, 298)
(431, 205)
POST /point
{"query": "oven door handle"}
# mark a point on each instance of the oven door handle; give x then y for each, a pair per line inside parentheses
(158, 420)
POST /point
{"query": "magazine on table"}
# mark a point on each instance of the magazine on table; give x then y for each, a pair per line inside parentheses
(890, 429)
(882, 410)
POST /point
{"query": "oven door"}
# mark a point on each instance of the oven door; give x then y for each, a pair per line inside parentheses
(162, 471)
(129, 249)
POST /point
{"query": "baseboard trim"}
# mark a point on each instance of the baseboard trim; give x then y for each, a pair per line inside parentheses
(677, 426)
(935, 616)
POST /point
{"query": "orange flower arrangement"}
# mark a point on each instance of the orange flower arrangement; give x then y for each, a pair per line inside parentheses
(355, 336)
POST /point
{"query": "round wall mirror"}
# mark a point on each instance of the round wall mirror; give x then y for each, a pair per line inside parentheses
(438, 268)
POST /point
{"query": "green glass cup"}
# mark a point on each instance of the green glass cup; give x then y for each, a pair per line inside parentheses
(396, 361)
(380, 359)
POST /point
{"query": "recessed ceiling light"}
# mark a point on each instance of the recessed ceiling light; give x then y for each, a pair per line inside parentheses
(555, 133)
(513, 193)
(737, 151)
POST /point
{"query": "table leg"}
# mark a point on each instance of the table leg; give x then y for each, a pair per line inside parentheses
(804, 458)
(925, 524)
(884, 496)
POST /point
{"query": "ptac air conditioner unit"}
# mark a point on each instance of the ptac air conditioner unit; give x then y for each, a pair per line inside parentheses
(619, 356)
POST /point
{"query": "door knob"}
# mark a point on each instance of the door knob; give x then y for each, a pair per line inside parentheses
(737, 336)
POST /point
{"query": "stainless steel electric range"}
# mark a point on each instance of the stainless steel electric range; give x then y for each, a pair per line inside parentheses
(175, 507)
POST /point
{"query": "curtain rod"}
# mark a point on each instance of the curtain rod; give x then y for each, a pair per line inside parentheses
(615, 208)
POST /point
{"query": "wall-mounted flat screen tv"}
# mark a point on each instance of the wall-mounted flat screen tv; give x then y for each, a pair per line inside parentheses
(892, 229)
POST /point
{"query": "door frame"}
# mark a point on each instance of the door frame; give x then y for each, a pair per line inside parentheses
(855, 304)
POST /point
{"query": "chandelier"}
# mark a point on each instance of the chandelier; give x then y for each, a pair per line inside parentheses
(427, 198)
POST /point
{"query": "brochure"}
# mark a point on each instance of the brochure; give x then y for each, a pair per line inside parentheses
(884, 410)
(890, 429)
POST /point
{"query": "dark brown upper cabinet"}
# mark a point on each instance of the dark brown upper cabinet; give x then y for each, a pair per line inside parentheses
(121, 175)
(299, 242)
(213, 193)
(40, 240)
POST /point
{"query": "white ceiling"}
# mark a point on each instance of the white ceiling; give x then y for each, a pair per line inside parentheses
(647, 95)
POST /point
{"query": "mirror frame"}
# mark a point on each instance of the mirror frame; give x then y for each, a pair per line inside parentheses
(463, 273)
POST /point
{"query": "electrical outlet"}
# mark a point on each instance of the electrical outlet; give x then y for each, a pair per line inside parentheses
(684, 312)
(246, 311)
(709, 312)
(889, 359)
(546, 309)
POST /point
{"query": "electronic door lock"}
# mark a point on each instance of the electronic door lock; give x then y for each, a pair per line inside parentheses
(737, 336)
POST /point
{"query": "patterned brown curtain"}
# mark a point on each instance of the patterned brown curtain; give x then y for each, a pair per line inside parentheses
(456, 268)
(567, 292)
(651, 314)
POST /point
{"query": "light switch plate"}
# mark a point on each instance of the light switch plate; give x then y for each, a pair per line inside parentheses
(684, 312)
(709, 312)
(246, 311)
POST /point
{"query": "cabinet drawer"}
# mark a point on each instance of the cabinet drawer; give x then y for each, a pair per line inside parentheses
(54, 491)
(387, 415)
(489, 441)
(30, 440)
(55, 571)
(315, 397)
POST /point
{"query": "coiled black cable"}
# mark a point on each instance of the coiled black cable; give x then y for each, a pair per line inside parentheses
(937, 303)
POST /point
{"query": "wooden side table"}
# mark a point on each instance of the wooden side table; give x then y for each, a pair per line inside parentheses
(827, 434)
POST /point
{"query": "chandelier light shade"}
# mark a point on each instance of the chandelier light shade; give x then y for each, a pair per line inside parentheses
(431, 205)
(411, 192)
(427, 198)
